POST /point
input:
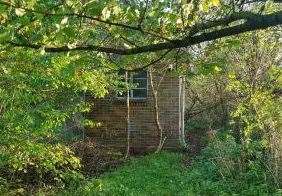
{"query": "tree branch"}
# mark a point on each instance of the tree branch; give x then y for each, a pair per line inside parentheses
(223, 21)
(143, 15)
(151, 63)
(250, 24)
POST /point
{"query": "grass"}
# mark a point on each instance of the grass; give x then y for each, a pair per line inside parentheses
(156, 174)
(165, 174)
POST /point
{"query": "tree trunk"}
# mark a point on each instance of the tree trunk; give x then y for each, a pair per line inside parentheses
(127, 116)
(156, 112)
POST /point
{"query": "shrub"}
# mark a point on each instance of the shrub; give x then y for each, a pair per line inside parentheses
(38, 94)
(225, 167)
(38, 164)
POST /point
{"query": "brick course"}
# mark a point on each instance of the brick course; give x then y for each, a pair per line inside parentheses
(111, 113)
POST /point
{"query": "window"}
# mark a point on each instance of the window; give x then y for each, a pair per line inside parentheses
(139, 82)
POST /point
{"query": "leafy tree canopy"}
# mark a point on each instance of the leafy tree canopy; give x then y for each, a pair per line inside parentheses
(128, 27)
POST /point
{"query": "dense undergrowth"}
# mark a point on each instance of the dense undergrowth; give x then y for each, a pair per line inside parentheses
(221, 169)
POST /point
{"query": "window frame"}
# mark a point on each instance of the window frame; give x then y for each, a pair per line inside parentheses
(131, 91)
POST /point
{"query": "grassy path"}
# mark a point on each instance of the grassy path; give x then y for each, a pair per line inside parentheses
(164, 174)
(156, 174)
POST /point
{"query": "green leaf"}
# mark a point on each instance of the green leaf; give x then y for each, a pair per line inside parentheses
(4, 37)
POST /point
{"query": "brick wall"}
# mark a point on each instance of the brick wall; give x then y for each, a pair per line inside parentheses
(111, 113)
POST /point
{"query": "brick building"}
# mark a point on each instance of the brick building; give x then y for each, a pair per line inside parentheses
(111, 114)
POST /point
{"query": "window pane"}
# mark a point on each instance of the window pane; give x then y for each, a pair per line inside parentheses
(141, 74)
(139, 93)
(140, 83)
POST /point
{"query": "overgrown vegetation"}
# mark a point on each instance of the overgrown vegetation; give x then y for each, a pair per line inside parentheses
(54, 53)
(36, 99)
(239, 80)
(219, 170)
(225, 168)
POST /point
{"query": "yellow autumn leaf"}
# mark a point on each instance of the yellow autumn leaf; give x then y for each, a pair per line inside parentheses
(178, 23)
(116, 10)
(207, 4)
(217, 69)
(106, 13)
(64, 21)
(215, 2)
(187, 8)
(204, 6)
(3, 18)
(19, 11)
